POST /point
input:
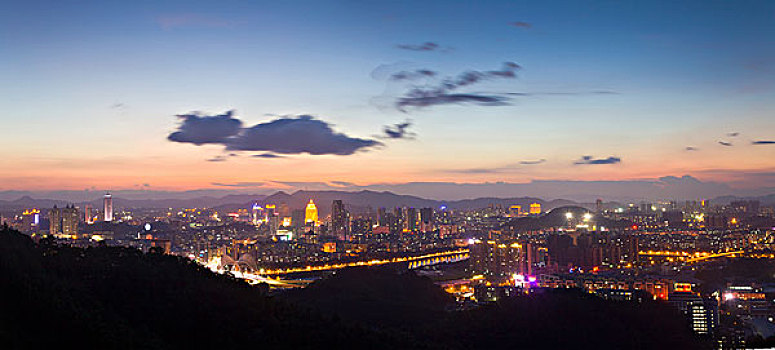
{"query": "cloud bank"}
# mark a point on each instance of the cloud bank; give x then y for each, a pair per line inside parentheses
(286, 135)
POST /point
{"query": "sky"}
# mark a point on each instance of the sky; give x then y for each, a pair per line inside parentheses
(253, 96)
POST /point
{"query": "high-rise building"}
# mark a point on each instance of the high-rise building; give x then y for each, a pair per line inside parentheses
(515, 211)
(411, 219)
(107, 207)
(87, 214)
(498, 260)
(701, 314)
(311, 213)
(55, 221)
(30, 220)
(70, 220)
(340, 220)
(272, 218)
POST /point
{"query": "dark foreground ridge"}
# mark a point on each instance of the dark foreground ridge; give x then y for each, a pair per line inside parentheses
(120, 298)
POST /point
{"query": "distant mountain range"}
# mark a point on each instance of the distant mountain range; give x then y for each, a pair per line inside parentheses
(360, 201)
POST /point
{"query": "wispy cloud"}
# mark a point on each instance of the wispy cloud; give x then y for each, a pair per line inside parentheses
(426, 46)
(589, 160)
(532, 162)
(733, 134)
(691, 148)
(725, 143)
(267, 155)
(444, 92)
(520, 24)
(398, 131)
(238, 184)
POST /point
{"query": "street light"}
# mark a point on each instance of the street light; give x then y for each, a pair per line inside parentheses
(569, 215)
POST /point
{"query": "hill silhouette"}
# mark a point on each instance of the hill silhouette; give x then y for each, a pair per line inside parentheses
(555, 319)
(121, 298)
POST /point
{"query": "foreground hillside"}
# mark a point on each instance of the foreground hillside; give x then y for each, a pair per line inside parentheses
(120, 298)
(561, 319)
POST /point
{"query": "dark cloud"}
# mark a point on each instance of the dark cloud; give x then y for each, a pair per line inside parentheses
(303, 134)
(412, 75)
(398, 131)
(146, 185)
(201, 129)
(118, 106)
(267, 155)
(427, 99)
(763, 142)
(443, 92)
(532, 162)
(427, 46)
(588, 160)
(724, 143)
(520, 24)
(733, 134)
(342, 183)
(286, 135)
(691, 148)
(217, 159)
(238, 184)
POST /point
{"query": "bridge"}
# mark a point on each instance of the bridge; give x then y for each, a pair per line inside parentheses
(413, 262)
(445, 259)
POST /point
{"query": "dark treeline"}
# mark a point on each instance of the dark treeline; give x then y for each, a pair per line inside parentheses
(120, 298)
(555, 319)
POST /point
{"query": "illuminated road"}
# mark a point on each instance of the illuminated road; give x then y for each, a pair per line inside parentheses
(691, 257)
(373, 262)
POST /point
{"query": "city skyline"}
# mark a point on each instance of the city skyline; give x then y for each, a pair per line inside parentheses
(263, 97)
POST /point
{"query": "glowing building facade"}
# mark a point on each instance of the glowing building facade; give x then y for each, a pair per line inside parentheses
(535, 208)
(311, 213)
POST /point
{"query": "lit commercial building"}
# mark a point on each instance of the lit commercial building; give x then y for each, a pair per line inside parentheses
(535, 208)
(311, 213)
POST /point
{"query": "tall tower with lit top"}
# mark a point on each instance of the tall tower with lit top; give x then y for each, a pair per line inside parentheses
(107, 207)
(311, 213)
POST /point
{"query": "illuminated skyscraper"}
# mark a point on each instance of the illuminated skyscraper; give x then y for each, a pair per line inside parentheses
(87, 216)
(340, 220)
(107, 207)
(311, 213)
(70, 220)
(55, 221)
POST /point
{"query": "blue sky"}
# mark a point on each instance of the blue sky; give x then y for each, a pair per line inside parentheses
(91, 90)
